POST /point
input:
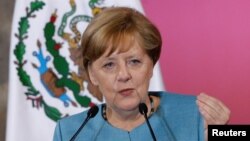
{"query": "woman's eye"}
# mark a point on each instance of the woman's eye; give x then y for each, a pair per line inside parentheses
(134, 62)
(109, 65)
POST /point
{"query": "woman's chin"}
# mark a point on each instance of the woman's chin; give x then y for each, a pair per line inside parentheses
(129, 106)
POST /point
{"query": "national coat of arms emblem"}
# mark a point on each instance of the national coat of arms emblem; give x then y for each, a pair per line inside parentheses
(56, 78)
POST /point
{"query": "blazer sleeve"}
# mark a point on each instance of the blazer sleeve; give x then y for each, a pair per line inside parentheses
(201, 128)
(57, 133)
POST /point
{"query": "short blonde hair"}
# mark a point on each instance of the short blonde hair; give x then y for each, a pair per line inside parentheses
(119, 26)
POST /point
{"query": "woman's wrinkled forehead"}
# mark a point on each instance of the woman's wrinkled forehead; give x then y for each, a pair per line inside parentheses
(120, 44)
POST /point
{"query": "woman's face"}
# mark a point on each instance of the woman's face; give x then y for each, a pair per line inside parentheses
(123, 77)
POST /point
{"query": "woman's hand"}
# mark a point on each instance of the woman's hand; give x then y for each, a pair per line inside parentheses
(213, 110)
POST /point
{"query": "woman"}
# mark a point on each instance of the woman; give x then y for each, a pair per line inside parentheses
(120, 48)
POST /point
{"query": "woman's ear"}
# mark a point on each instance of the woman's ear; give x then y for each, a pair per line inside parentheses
(92, 76)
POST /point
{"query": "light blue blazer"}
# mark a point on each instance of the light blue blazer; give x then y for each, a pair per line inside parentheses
(176, 119)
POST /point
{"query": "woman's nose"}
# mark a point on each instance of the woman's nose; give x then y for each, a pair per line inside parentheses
(123, 74)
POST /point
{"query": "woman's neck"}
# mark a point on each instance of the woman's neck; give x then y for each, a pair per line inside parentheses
(127, 120)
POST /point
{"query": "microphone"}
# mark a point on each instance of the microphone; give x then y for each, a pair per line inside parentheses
(91, 113)
(144, 110)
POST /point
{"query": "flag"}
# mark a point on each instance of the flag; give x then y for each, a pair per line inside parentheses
(45, 83)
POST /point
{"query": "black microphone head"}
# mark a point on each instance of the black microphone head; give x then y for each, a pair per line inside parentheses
(93, 111)
(143, 108)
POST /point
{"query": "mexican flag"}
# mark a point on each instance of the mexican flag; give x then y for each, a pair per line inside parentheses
(45, 83)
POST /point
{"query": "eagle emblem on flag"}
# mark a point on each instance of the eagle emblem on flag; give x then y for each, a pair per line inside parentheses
(55, 79)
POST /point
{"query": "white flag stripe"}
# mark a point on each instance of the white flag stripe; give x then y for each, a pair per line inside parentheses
(156, 83)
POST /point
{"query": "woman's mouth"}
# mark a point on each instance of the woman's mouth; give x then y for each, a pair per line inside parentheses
(126, 92)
